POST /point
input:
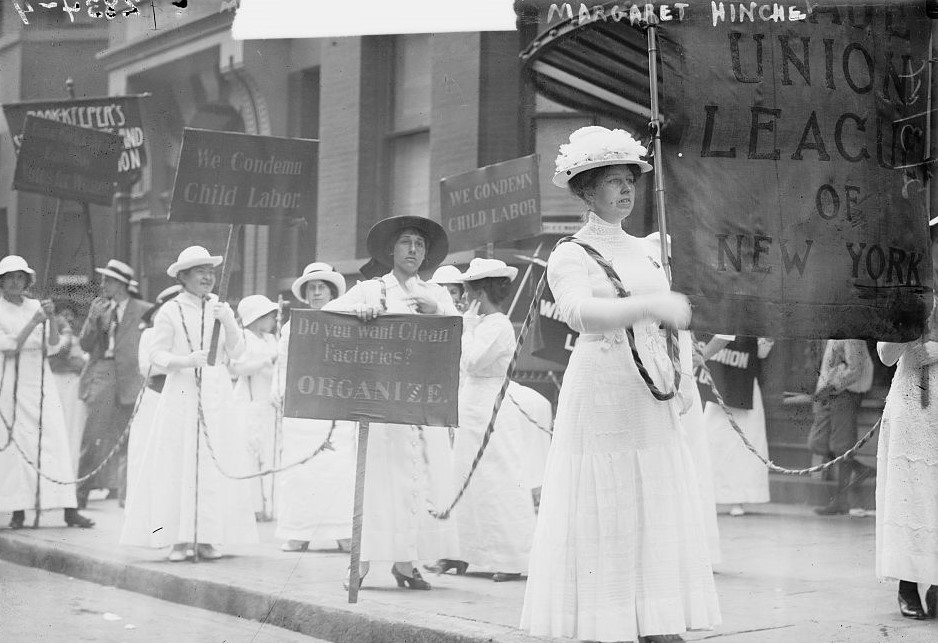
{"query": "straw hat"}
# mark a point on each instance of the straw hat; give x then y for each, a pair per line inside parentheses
(15, 263)
(446, 275)
(191, 257)
(168, 293)
(117, 270)
(384, 233)
(480, 268)
(253, 307)
(596, 146)
(321, 271)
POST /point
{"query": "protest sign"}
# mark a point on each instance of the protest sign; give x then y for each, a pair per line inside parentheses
(223, 177)
(67, 161)
(794, 167)
(119, 115)
(400, 369)
(553, 339)
(499, 202)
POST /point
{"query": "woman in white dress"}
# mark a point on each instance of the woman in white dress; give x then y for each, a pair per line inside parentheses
(907, 473)
(618, 552)
(738, 476)
(181, 494)
(254, 370)
(409, 467)
(66, 367)
(156, 377)
(315, 499)
(25, 380)
(495, 517)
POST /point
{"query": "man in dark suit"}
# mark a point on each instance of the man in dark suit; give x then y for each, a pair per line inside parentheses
(111, 380)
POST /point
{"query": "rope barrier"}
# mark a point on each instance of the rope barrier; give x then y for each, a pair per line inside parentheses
(528, 417)
(16, 378)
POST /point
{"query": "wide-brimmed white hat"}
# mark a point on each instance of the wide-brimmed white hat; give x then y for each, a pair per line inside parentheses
(191, 257)
(596, 146)
(446, 275)
(15, 263)
(318, 270)
(117, 270)
(253, 307)
(480, 268)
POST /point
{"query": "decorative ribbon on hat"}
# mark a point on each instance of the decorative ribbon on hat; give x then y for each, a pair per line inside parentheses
(622, 292)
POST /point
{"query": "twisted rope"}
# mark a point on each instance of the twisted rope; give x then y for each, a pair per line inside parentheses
(528, 417)
(16, 379)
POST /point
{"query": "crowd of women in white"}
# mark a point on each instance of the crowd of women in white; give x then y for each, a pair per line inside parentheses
(615, 553)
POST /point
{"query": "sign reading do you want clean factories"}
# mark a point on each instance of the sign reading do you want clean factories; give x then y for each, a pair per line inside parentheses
(230, 178)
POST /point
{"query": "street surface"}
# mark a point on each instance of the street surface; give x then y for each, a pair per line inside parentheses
(36, 605)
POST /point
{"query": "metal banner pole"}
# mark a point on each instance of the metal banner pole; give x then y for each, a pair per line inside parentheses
(233, 232)
(655, 128)
(358, 513)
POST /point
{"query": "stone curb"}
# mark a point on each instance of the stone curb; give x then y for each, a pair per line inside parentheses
(328, 619)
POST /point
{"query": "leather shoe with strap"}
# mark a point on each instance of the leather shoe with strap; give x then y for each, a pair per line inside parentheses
(910, 605)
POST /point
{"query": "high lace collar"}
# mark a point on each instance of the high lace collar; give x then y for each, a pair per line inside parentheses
(598, 227)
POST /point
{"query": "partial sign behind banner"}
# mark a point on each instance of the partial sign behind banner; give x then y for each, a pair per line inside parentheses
(400, 369)
(499, 202)
(119, 115)
(230, 178)
(794, 171)
(67, 162)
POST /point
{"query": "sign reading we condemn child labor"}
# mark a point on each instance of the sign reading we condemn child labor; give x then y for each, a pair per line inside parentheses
(399, 369)
(223, 177)
(499, 202)
(67, 161)
(795, 167)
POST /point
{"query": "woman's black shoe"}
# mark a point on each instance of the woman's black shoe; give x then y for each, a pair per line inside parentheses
(910, 605)
(443, 565)
(501, 577)
(931, 601)
(18, 519)
(75, 519)
(414, 581)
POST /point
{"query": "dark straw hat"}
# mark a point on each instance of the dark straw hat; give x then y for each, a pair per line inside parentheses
(383, 234)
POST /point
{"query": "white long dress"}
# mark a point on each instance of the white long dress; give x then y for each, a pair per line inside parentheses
(738, 476)
(617, 551)
(67, 384)
(315, 499)
(907, 479)
(257, 417)
(409, 468)
(495, 517)
(143, 420)
(17, 477)
(161, 510)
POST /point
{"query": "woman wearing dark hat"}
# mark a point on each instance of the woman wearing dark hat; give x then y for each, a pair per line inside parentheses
(409, 467)
(181, 494)
(26, 383)
(619, 551)
(314, 499)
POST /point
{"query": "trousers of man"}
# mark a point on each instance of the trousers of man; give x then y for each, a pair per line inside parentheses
(106, 424)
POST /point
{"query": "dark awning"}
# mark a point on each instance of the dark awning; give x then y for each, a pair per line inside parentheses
(600, 66)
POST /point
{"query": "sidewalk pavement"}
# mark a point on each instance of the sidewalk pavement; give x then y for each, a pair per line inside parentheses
(786, 575)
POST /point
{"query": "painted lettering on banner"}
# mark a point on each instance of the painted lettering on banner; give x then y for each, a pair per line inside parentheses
(401, 369)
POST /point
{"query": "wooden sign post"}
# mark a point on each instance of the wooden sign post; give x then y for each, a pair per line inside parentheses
(396, 369)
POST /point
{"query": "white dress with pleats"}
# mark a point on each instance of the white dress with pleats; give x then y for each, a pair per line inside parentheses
(618, 550)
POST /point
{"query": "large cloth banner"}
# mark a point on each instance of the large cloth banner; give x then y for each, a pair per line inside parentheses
(794, 167)
(402, 369)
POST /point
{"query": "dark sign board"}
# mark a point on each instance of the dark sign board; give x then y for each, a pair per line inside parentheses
(223, 177)
(499, 202)
(67, 161)
(401, 369)
(553, 339)
(119, 115)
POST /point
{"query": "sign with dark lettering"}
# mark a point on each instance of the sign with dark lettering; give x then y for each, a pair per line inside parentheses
(119, 115)
(499, 202)
(400, 369)
(67, 161)
(795, 167)
(223, 177)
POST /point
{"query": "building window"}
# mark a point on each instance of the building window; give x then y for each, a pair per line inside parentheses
(409, 135)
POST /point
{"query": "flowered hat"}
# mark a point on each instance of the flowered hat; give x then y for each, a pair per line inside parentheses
(596, 146)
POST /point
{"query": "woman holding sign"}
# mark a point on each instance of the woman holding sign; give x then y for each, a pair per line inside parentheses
(618, 551)
(315, 499)
(182, 495)
(408, 467)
